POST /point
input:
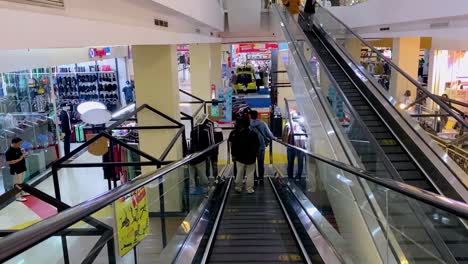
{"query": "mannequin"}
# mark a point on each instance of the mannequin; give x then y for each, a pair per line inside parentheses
(65, 125)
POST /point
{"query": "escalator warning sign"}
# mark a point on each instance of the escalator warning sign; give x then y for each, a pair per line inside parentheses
(225, 237)
(388, 142)
(276, 221)
(290, 258)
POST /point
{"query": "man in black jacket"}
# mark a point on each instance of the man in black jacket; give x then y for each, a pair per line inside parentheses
(65, 126)
(245, 146)
(309, 11)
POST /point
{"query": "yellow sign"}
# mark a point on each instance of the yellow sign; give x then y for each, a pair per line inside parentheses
(132, 220)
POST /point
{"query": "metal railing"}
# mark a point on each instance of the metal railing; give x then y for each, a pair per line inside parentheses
(457, 208)
(24, 239)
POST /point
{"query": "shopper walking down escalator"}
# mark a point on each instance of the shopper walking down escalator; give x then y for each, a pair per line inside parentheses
(259, 78)
(295, 135)
(309, 11)
(264, 137)
(244, 150)
(293, 7)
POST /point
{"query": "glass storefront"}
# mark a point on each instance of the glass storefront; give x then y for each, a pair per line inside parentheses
(30, 98)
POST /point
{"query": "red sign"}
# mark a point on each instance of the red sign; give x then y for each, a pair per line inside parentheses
(95, 52)
(255, 47)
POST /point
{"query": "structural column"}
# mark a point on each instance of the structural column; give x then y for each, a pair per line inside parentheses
(353, 46)
(205, 68)
(156, 84)
(405, 54)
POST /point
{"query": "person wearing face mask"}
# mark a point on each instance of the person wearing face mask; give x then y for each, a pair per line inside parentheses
(65, 126)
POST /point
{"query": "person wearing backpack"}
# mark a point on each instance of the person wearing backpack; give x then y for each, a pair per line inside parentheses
(264, 137)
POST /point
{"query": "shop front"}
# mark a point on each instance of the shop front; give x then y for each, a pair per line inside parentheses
(252, 64)
(31, 99)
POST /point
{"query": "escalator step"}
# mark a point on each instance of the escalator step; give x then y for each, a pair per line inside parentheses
(255, 250)
(382, 135)
(253, 229)
(398, 157)
(373, 123)
(363, 108)
(366, 113)
(393, 150)
(256, 230)
(254, 243)
(370, 118)
(352, 94)
(256, 258)
(404, 166)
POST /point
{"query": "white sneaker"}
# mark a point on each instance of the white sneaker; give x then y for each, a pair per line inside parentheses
(251, 191)
(21, 199)
(239, 190)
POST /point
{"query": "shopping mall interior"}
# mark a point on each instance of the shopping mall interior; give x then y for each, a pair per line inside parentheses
(233, 131)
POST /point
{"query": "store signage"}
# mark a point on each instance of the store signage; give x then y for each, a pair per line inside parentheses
(132, 220)
(256, 47)
(99, 52)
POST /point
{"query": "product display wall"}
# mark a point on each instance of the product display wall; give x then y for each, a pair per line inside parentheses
(92, 81)
(26, 111)
(30, 98)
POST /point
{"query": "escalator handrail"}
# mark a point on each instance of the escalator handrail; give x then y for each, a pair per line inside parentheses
(435, 98)
(457, 208)
(25, 239)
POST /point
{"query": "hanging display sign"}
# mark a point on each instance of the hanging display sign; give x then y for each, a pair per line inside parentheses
(255, 47)
(183, 48)
(99, 52)
(132, 220)
(225, 96)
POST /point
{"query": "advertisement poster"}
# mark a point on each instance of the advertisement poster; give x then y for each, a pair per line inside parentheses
(225, 95)
(132, 220)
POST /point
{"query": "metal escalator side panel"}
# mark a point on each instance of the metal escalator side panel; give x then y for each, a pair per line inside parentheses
(325, 238)
(333, 144)
(198, 226)
(433, 235)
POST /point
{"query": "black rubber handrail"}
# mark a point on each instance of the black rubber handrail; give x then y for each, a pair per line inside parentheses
(457, 208)
(25, 239)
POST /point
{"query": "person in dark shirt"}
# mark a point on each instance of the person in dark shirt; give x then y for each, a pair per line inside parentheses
(66, 127)
(128, 92)
(15, 158)
(244, 150)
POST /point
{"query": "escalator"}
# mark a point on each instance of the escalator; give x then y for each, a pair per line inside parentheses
(256, 229)
(276, 224)
(393, 155)
(407, 167)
